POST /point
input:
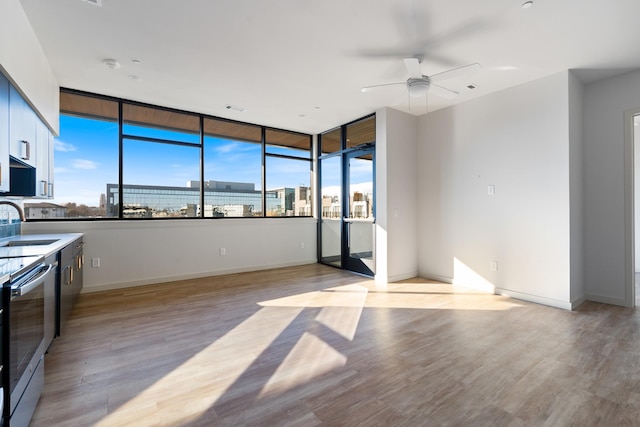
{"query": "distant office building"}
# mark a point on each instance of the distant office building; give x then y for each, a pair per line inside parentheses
(221, 199)
(44, 210)
(223, 185)
(360, 206)
(302, 201)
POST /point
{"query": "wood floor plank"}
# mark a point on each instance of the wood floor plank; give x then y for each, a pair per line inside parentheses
(317, 346)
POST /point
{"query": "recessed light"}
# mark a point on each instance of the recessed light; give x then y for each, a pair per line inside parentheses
(111, 63)
(234, 108)
(506, 68)
(136, 61)
(527, 4)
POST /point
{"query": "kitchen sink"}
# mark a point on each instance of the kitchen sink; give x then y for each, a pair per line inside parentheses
(14, 243)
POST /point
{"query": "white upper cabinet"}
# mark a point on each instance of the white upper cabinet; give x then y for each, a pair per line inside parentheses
(29, 141)
(4, 134)
(44, 161)
(22, 128)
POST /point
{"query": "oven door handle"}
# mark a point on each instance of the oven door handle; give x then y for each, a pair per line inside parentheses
(33, 283)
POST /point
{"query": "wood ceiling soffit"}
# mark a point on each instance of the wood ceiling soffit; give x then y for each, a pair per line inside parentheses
(88, 106)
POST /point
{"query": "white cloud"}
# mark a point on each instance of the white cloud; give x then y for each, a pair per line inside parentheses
(226, 148)
(63, 146)
(85, 164)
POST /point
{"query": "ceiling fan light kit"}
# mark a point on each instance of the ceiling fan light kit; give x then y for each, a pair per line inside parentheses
(418, 88)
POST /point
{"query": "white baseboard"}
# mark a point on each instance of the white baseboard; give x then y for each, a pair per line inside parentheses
(157, 280)
(565, 305)
(607, 300)
(438, 278)
(400, 277)
(575, 303)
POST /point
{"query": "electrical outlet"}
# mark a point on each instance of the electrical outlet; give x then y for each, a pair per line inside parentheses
(491, 190)
(223, 251)
(301, 245)
(95, 262)
(493, 266)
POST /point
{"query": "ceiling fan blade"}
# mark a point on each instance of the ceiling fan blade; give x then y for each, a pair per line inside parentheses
(370, 88)
(465, 70)
(443, 92)
(413, 66)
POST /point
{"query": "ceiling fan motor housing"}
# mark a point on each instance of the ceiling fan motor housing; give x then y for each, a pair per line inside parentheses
(418, 88)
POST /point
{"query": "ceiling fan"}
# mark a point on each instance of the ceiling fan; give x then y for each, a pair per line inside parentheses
(419, 84)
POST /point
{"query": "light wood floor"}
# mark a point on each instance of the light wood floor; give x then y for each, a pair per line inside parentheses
(314, 345)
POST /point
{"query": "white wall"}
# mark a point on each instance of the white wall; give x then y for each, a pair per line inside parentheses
(576, 101)
(607, 268)
(636, 186)
(24, 63)
(142, 252)
(396, 189)
(518, 141)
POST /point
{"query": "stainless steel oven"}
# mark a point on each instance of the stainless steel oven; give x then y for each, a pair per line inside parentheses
(24, 347)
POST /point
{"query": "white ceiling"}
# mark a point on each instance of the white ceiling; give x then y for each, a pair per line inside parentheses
(300, 64)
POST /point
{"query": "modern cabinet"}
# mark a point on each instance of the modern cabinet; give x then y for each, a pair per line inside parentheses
(50, 302)
(4, 134)
(30, 145)
(78, 281)
(71, 281)
(22, 128)
(44, 161)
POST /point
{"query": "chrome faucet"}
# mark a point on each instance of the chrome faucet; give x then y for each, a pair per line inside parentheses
(18, 208)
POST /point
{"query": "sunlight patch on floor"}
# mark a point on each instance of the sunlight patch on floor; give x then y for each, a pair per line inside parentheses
(310, 358)
(342, 312)
(235, 351)
(419, 296)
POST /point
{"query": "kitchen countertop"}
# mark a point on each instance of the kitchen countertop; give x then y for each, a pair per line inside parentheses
(61, 240)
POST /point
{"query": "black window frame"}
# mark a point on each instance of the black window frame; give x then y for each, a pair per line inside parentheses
(122, 136)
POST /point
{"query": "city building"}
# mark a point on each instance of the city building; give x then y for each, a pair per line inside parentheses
(44, 210)
(221, 199)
